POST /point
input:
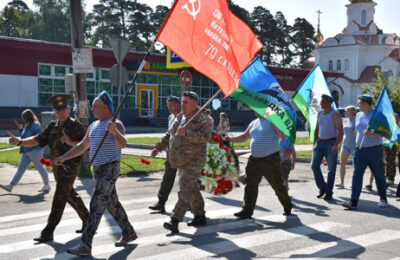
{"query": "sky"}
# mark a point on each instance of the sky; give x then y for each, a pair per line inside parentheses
(333, 17)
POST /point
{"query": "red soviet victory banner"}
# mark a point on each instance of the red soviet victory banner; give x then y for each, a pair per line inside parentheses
(209, 37)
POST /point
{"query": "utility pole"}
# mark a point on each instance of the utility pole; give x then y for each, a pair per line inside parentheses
(80, 78)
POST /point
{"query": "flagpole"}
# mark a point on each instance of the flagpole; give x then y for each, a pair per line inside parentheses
(125, 97)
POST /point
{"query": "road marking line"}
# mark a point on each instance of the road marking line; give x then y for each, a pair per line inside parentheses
(67, 210)
(230, 245)
(105, 228)
(345, 244)
(162, 238)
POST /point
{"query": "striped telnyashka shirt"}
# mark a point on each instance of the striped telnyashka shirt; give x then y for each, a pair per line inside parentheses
(264, 139)
(109, 151)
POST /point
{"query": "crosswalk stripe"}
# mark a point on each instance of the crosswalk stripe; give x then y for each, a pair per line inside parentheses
(67, 210)
(230, 245)
(344, 245)
(213, 249)
(103, 230)
(162, 238)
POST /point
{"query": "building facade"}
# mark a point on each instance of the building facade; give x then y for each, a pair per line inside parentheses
(357, 52)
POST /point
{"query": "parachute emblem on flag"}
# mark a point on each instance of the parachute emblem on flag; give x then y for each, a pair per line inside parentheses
(193, 12)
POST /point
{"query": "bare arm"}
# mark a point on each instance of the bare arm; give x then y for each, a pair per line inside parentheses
(30, 141)
(242, 137)
(116, 129)
(337, 119)
(77, 150)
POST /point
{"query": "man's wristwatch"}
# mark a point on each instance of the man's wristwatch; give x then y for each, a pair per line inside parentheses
(19, 143)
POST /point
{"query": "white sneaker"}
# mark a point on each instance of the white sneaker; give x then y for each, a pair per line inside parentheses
(398, 199)
(383, 204)
(7, 187)
(45, 188)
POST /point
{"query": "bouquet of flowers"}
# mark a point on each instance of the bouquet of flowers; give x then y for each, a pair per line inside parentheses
(222, 167)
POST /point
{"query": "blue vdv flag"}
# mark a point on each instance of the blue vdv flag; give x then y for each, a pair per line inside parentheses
(260, 90)
(383, 120)
(308, 97)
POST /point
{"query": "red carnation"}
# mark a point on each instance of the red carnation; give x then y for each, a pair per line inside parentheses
(229, 159)
(226, 149)
(218, 139)
(43, 161)
(48, 163)
(221, 145)
(202, 173)
(325, 163)
(144, 161)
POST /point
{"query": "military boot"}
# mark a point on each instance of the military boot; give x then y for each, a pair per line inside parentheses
(198, 221)
(172, 225)
(159, 206)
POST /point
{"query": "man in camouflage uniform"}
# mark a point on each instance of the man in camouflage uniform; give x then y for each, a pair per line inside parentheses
(187, 152)
(169, 174)
(60, 135)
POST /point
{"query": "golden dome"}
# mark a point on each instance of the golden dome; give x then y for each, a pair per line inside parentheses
(318, 37)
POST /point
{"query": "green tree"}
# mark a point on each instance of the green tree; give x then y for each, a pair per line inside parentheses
(19, 4)
(54, 20)
(240, 12)
(302, 35)
(392, 85)
(265, 27)
(283, 40)
(17, 22)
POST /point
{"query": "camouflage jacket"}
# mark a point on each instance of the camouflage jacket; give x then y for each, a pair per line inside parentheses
(52, 134)
(192, 146)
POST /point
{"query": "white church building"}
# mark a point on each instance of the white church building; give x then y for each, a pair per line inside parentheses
(357, 52)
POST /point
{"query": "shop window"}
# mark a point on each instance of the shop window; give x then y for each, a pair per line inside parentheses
(45, 70)
(105, 74)
(90, 87)
(59, 71)
(59, 86)
(176, 91)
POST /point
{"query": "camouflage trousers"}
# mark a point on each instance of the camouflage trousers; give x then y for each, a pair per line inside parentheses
(390, 162)
(65, 193)
(105, 197)
(270, 168)
(189, 191)
(167, 182)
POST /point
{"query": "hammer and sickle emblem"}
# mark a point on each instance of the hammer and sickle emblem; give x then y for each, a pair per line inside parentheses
(193, 12)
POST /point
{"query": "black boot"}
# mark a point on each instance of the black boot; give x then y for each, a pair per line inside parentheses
(321, 194)
(198, 221)
(243, 214)
(172, 225)
(44, 238)
(287, 212)
(159, 206)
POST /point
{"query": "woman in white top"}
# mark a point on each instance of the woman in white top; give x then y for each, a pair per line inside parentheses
(223, 125)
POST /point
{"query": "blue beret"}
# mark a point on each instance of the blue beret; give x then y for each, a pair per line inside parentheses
(103, 96)
(173, 98)
(192, 95)
(327, 97)
(366, 97)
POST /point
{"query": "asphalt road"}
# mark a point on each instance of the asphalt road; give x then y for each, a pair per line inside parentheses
(318, 230)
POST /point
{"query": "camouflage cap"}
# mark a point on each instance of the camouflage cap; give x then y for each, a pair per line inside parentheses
(59, 102)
